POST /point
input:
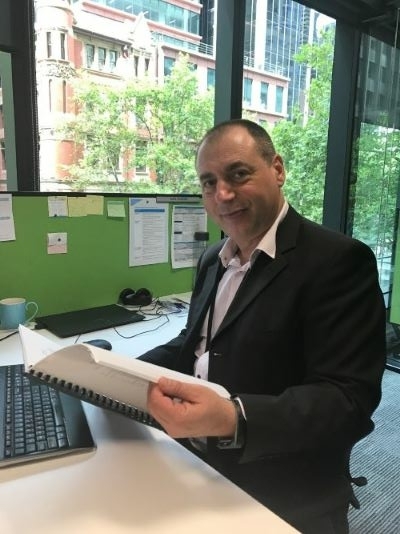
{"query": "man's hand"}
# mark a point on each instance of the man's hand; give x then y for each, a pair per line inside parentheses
(189, 410)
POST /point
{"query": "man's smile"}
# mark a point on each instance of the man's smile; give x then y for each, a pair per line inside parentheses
(232, 213)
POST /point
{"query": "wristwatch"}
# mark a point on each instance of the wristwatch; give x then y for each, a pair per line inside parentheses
(239, 438)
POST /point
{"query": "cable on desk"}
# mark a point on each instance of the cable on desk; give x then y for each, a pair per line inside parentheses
(158, 308)
(9, 335)
(145, 331)
(159, 311)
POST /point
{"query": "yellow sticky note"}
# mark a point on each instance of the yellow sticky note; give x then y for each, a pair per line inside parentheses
(76, 206)
(115, 208)
(94, 204)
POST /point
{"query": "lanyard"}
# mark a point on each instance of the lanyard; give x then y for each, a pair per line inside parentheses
(220, 274)
(210, 321)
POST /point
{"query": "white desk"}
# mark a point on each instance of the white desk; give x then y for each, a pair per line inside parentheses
(138, 480)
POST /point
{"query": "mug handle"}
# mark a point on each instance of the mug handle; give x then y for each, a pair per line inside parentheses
(34, 313)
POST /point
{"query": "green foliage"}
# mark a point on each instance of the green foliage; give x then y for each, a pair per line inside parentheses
(303, 141)
(375, 162)
(374, 188)
(140, 124)
(113, 122)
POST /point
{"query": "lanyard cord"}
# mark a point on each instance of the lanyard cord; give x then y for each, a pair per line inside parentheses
(210, 319)
(220, 274)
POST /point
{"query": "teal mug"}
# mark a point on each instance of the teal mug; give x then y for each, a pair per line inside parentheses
(13, 312)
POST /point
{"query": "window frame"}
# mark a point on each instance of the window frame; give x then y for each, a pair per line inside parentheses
(228, 81)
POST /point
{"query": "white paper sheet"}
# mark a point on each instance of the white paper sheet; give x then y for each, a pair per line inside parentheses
(58, 206)
(7, 227)
(113, 375)
(148, 231)
(186, 220)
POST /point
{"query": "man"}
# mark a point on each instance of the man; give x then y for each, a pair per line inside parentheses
(289, 318)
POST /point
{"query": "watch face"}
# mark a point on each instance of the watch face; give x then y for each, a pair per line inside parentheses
(225, 443)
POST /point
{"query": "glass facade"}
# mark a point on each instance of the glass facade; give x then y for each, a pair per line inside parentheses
(158, 11)
(281, 40)
(289, 26)
(373, 214)
(373, 199)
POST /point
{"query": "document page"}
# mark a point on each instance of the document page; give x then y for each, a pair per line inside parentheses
(112, 375)
(148, 232)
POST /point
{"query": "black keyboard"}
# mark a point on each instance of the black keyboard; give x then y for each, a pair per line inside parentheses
(37, 421)
(34, 416)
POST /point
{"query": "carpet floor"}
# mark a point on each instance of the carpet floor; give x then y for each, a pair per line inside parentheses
(377, 457)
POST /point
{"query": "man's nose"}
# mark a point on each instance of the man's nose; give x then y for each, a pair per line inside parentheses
(224, 191)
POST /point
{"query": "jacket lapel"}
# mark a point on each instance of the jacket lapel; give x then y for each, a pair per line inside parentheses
(262, 273)
(201, 303)
(265, 269)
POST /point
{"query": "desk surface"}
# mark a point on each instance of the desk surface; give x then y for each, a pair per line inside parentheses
(138, 480)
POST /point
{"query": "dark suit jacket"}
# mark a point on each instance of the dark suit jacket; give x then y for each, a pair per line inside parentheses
(303, 345)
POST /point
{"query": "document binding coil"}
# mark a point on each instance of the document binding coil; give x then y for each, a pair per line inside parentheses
(97, 399)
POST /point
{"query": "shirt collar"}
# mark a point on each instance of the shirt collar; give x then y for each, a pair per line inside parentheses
(267, 243)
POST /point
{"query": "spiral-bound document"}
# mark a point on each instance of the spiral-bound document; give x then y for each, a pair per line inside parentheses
(101, 377)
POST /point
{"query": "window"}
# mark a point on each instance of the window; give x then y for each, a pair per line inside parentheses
(373, 203)
(247, 88)
(62, 46)
(279, 99)
(210, 77)
(64, 96)
(141, 157)
(89, 55)
(114, 133)
(101, 57)
(168, 65)
(264, 94)
(113, 56)
(8, 170)
(293, 60)
(48, 43)
(273, 85)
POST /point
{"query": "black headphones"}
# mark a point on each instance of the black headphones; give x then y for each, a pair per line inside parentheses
(141, 297)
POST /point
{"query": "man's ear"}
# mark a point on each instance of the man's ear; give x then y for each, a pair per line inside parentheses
(279, 167)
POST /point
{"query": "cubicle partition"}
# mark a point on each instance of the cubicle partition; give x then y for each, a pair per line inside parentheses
(95, 267)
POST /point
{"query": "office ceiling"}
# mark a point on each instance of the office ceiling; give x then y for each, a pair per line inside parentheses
(376, 17)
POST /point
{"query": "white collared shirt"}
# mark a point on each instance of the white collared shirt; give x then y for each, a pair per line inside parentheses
(229, 285)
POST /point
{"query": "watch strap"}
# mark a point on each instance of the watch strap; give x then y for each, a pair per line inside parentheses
(239, 438)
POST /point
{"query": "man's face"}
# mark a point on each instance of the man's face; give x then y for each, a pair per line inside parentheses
(241, 190)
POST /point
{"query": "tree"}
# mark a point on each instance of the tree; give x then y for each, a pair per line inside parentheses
(140, 123)
(373, 191)
(375, 163)
(303, 141)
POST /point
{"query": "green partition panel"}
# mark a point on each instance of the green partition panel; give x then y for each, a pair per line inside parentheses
(93, 271)
(395, 300)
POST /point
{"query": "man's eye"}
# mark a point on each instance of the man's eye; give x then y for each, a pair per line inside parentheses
(207, 185)
(240, 175)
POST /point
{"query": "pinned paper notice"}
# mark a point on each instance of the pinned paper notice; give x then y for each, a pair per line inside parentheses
(77, 206)
(94, 204)
(57, 243)
(7, 228)
(58, 206)
(116, 208)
